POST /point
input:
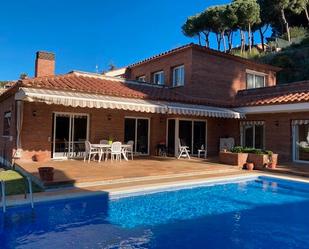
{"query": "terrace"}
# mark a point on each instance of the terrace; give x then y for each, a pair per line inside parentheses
(151, 169)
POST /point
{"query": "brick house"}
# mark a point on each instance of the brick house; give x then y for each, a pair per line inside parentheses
(191, 92)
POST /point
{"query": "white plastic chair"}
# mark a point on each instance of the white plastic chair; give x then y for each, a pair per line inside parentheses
(116, 151)
(130, 150)
(105, 151)
(90, 151)
(183, 150)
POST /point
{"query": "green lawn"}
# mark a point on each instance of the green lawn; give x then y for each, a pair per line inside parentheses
(15, 183)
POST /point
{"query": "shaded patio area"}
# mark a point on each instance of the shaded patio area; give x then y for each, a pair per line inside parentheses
(297, 169)
(78, 173)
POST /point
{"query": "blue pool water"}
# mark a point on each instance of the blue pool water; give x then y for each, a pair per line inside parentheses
(257, 213)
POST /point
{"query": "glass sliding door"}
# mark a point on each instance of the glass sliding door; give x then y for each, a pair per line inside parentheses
(70, 131)
(79, 135)
(171, 126)
(301, 141)
(199, 135)
(192, 133)
(62, 124)
(137, 130)
(185, 133)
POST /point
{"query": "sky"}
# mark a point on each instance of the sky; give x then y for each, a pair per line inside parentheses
(85, 34)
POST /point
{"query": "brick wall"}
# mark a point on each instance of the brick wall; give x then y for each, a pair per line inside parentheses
(38, 142)
(278, 132)
(165, 64)
(219, 78)
(206, 75)
(100, 127)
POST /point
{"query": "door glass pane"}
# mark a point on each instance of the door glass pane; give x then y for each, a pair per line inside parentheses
(129, 130)
(62, 135)
(142, 136)
(302, 140)
(199, 135)
(79, 135)
(185, 133)
(259, 136)
(248, 136)
(171, 137)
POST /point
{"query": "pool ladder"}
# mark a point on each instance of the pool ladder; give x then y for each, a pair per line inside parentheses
(3, 196)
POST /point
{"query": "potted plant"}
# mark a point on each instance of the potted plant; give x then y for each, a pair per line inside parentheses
(38, 157)
(110, 140)
(273, 159)
(250, 166)
(46, 173)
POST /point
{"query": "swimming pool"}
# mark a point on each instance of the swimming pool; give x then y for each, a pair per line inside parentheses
(254, 213)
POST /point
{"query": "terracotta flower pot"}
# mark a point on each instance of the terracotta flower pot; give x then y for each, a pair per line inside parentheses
(39, 158)
(272, 165)
(46, 173)
(250, 166)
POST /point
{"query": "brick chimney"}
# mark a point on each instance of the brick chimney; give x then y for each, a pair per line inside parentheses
(44, 64)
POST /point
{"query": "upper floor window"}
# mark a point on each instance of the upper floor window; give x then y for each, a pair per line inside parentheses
(7, 123)
(158, 78)
(179, 76)
(255, 80)
(141, 78)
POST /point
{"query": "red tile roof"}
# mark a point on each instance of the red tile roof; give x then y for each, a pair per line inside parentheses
(209, 51)
(98, 84)
(297, 92)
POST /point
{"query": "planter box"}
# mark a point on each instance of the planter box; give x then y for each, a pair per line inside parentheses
(259, 160)
(238, 159)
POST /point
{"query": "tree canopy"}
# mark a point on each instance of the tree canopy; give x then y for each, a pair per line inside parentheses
(246, 17)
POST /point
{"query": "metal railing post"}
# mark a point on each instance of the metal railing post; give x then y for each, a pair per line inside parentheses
(3, 199)
(30, 191)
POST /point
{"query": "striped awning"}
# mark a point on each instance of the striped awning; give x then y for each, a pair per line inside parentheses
(87, 100)
(300, 122)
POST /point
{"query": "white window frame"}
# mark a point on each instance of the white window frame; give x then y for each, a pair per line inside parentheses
(161, 77)
(242, 133)
(254, 74)
(175, 84)
(294, 147)
(141, 78)
(71, 131)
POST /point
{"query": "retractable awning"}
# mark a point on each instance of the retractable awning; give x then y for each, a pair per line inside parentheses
(77, 99)
(202, 110)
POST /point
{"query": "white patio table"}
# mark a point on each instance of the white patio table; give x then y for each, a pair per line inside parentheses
(108, 146)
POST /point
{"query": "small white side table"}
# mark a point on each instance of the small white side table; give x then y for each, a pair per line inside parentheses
(199, 152)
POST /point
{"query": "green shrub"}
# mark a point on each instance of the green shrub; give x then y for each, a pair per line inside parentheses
(240, 149)
(297, 33)
(237, 149)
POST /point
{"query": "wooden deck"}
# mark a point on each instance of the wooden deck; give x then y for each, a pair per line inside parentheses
(78, 173)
